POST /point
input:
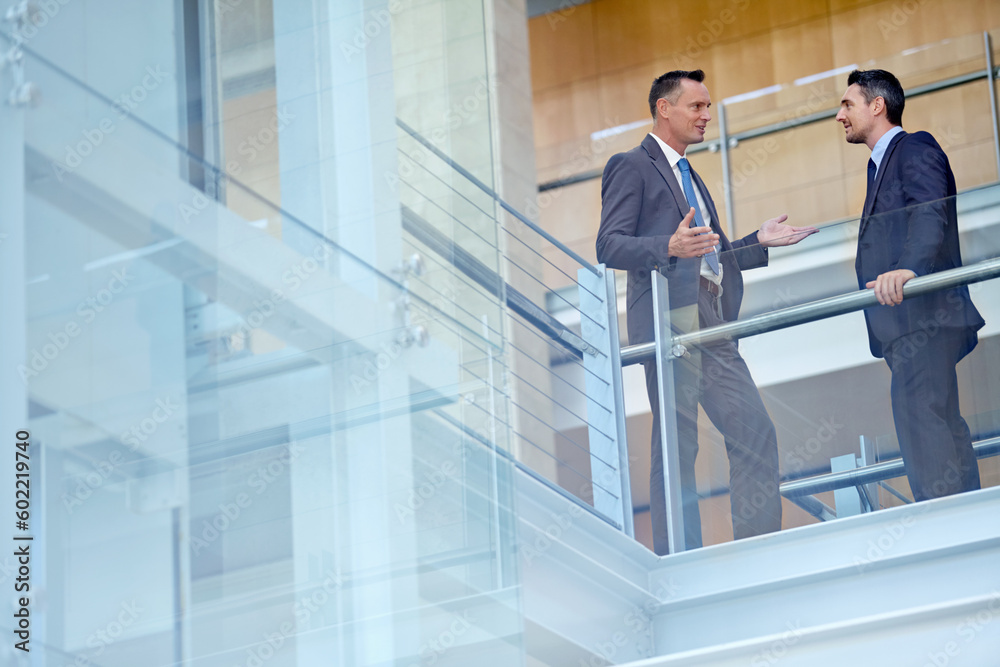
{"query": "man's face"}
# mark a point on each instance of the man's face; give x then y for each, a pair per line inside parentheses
(688, 117)
(856, 115)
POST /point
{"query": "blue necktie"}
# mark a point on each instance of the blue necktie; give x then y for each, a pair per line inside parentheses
(872, 171)
(713, 257)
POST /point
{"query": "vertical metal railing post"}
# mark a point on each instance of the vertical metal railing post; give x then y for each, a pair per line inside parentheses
(727, 181)
(869, 456)
(847, 500)
(605, 395)
(991, 82)
(668, 414)
(493, 467)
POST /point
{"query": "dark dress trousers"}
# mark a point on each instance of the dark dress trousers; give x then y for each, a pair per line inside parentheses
(910, 222)
(642, 205)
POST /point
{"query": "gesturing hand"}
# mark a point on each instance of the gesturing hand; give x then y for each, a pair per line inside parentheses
(772, 233)
(889, 286)
(690, 241)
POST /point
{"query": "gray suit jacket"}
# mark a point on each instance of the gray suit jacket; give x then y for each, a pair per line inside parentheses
(641, 206)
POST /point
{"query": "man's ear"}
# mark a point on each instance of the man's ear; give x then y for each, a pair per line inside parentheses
(662, 107)
(878, 105)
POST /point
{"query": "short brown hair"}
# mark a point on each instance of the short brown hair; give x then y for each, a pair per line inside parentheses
(667, 86)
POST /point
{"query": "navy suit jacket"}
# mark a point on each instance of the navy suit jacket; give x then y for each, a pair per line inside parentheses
(910, 222)
(641, 205)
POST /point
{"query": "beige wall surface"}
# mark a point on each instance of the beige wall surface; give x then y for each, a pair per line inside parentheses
(591, 67)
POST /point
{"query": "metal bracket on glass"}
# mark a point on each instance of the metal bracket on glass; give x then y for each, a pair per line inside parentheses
(411, 333)
(22, 14)
(19, 16)
(664, 357)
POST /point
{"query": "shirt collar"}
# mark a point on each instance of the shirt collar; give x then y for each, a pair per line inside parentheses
(878, 152)
(673, 157)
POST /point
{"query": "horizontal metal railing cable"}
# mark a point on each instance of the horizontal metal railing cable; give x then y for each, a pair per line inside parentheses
(485, 188)
(565, 408)
(476, 437)
(460, 281)
(465, 262)
(531, 275)
(561, 437)
(572, 359)
(818, 310)
(419, 280)
(556, 376)
(432, 200)
(877, 472)
(550, 427)
(528, 383)
(530, 329)
(507, 231)
(535, 446)
(442, 245)
(555, 431)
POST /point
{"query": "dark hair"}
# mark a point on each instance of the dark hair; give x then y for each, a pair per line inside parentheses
(668, 86)
(879, 83)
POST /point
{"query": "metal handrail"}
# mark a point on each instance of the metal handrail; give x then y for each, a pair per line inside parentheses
(815, 310)
(878, 472)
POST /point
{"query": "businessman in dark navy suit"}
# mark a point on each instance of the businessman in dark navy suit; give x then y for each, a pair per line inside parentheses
(909, 228)
(653, 217)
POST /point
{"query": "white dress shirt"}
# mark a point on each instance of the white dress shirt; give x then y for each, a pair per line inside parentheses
(673, 157)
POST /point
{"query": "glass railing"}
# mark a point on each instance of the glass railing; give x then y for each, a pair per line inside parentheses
(558, 433)
(257, 444)
(266, 432)
(827, 397)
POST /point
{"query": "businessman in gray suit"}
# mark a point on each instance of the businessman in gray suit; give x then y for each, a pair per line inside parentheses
(657, 214)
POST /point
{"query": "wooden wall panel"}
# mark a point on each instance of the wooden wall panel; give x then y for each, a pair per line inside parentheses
(729, 79)
(623, 34)
(566, 113)
(782, 13)
(801, 50)
(885, 28)
(619, 103)
(562, 48)
(568, 214)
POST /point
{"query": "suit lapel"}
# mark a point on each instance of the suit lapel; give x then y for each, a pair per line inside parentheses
(882, 171)
(662, 165)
